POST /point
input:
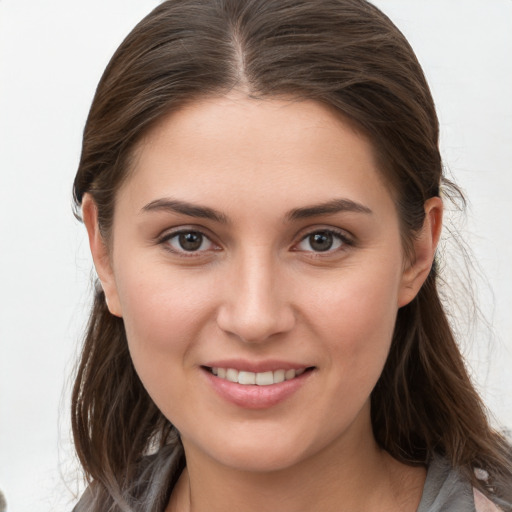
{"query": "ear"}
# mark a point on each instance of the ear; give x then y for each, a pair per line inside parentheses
(424, 249)
(100, 255)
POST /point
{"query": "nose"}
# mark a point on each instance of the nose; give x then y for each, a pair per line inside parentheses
(256, 305)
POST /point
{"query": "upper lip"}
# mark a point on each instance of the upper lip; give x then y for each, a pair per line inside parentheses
(256, 366)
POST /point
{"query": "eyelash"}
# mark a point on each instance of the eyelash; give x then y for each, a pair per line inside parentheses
(183, 252)
(344, 241)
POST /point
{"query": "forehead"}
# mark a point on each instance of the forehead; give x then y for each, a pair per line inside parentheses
(232, 148)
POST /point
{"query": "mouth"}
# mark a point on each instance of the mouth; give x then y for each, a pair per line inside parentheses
(247, 378)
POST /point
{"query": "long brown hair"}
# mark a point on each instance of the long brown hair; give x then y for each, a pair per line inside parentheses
(344, 53)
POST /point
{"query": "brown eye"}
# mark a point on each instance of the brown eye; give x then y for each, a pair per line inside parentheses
(322, 241)
(189, 241)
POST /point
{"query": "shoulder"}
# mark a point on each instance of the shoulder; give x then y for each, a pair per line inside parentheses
(448, 490)
(150, 489)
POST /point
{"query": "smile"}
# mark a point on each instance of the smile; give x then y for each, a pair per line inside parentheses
(256, 378)
(269, 384)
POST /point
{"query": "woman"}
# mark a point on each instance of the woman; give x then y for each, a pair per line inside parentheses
(260, 181)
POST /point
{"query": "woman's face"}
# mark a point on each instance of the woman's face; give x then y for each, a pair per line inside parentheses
(256, 241)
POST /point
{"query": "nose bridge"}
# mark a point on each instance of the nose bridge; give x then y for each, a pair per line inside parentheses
(256, 304)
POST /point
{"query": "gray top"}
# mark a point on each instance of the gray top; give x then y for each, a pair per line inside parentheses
(445, 490)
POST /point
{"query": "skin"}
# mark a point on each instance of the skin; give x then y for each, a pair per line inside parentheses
(258, 290)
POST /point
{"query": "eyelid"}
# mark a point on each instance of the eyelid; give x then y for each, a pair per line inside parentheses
(169, 234)
(347, 240)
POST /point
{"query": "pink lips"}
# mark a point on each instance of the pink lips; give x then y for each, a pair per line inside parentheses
(254, 396)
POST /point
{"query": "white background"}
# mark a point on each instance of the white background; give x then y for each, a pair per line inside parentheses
(51, 57)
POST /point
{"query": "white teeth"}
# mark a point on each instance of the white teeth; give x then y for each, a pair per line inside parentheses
(246, 378)
(289, 374)
(264, 378)
(232, 375)
(260, 378)
(279, 376)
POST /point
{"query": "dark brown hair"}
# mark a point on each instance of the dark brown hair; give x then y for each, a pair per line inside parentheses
(343, 53)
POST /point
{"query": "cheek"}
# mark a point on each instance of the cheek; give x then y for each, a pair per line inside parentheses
(158, 305)
(163, 325)
(357, 318)
(164, 317)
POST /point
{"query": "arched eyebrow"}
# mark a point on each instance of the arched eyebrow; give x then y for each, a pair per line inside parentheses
(204, 212)
(328, 208)
(185, 208)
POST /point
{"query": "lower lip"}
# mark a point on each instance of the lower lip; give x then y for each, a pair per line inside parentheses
(253, 396)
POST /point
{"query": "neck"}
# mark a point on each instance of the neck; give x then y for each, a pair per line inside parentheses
(355, 476)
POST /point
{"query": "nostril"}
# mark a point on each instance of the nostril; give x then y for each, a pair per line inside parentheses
(252, 324)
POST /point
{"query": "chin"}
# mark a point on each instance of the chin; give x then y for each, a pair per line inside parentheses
(255, 453)
(260, 460)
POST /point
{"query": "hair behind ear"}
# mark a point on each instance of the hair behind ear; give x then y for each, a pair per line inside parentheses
(114, 421)
(425, 403)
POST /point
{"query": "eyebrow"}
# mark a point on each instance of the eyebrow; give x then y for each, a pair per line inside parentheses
(204, 212)
(328, 208)
(185, 208)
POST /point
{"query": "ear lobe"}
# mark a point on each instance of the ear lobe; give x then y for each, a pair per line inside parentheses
(100, 255)
(424, 249)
